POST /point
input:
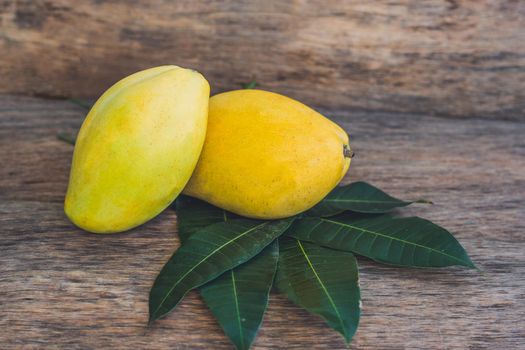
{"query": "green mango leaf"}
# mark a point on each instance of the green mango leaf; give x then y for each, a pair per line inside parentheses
(322, 281)
(239, 297)
(67, 137)
(410, 241)
(359, 197)
(194, 214)
(208, 253)
(251, 85)
(81, 103)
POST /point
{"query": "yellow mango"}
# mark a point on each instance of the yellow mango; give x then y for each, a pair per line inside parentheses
(267, 156)
(137, 148)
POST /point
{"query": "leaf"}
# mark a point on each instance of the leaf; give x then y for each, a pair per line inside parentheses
(194, 214)
(359, 197)
(239, 297)
(322, 281)
(83, 104)
(207, 254)
(400, 241)
(251, 85)
(67, 138)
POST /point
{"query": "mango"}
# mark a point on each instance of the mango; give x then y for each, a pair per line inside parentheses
(267, 156)
(137, 148)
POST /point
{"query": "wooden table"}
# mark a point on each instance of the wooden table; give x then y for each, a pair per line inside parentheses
(64, 288)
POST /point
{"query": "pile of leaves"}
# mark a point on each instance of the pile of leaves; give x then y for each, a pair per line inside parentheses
(235, 261)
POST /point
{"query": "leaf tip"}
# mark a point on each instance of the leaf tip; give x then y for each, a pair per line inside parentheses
(347, 338)
(153, 316)
(424, 201)
(251, 85)
(62, 136)
(473, 266)
(151, 320)
(468, 263)
(241, 345)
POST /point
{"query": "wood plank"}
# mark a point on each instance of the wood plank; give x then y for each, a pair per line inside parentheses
(63, 288)
(456, 58)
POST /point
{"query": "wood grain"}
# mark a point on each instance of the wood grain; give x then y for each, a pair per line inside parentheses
(67, 289)
(443, 57)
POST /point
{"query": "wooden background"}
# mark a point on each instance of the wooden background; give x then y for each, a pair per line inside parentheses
(452, 58)
(432, 93)
(64, 288)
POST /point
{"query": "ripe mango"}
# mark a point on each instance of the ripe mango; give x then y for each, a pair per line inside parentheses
(137, 148)
(267, 156)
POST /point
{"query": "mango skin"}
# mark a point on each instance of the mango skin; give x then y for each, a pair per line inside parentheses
(267, 156)
(137, 148)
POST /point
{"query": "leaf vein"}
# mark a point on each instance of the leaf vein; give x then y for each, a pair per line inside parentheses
(238, 312)
(322, 286)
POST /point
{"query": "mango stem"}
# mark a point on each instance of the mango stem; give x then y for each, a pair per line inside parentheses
(347, 152)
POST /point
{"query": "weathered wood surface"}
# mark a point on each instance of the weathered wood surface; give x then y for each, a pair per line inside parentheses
(445, 57)
(64, 288)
